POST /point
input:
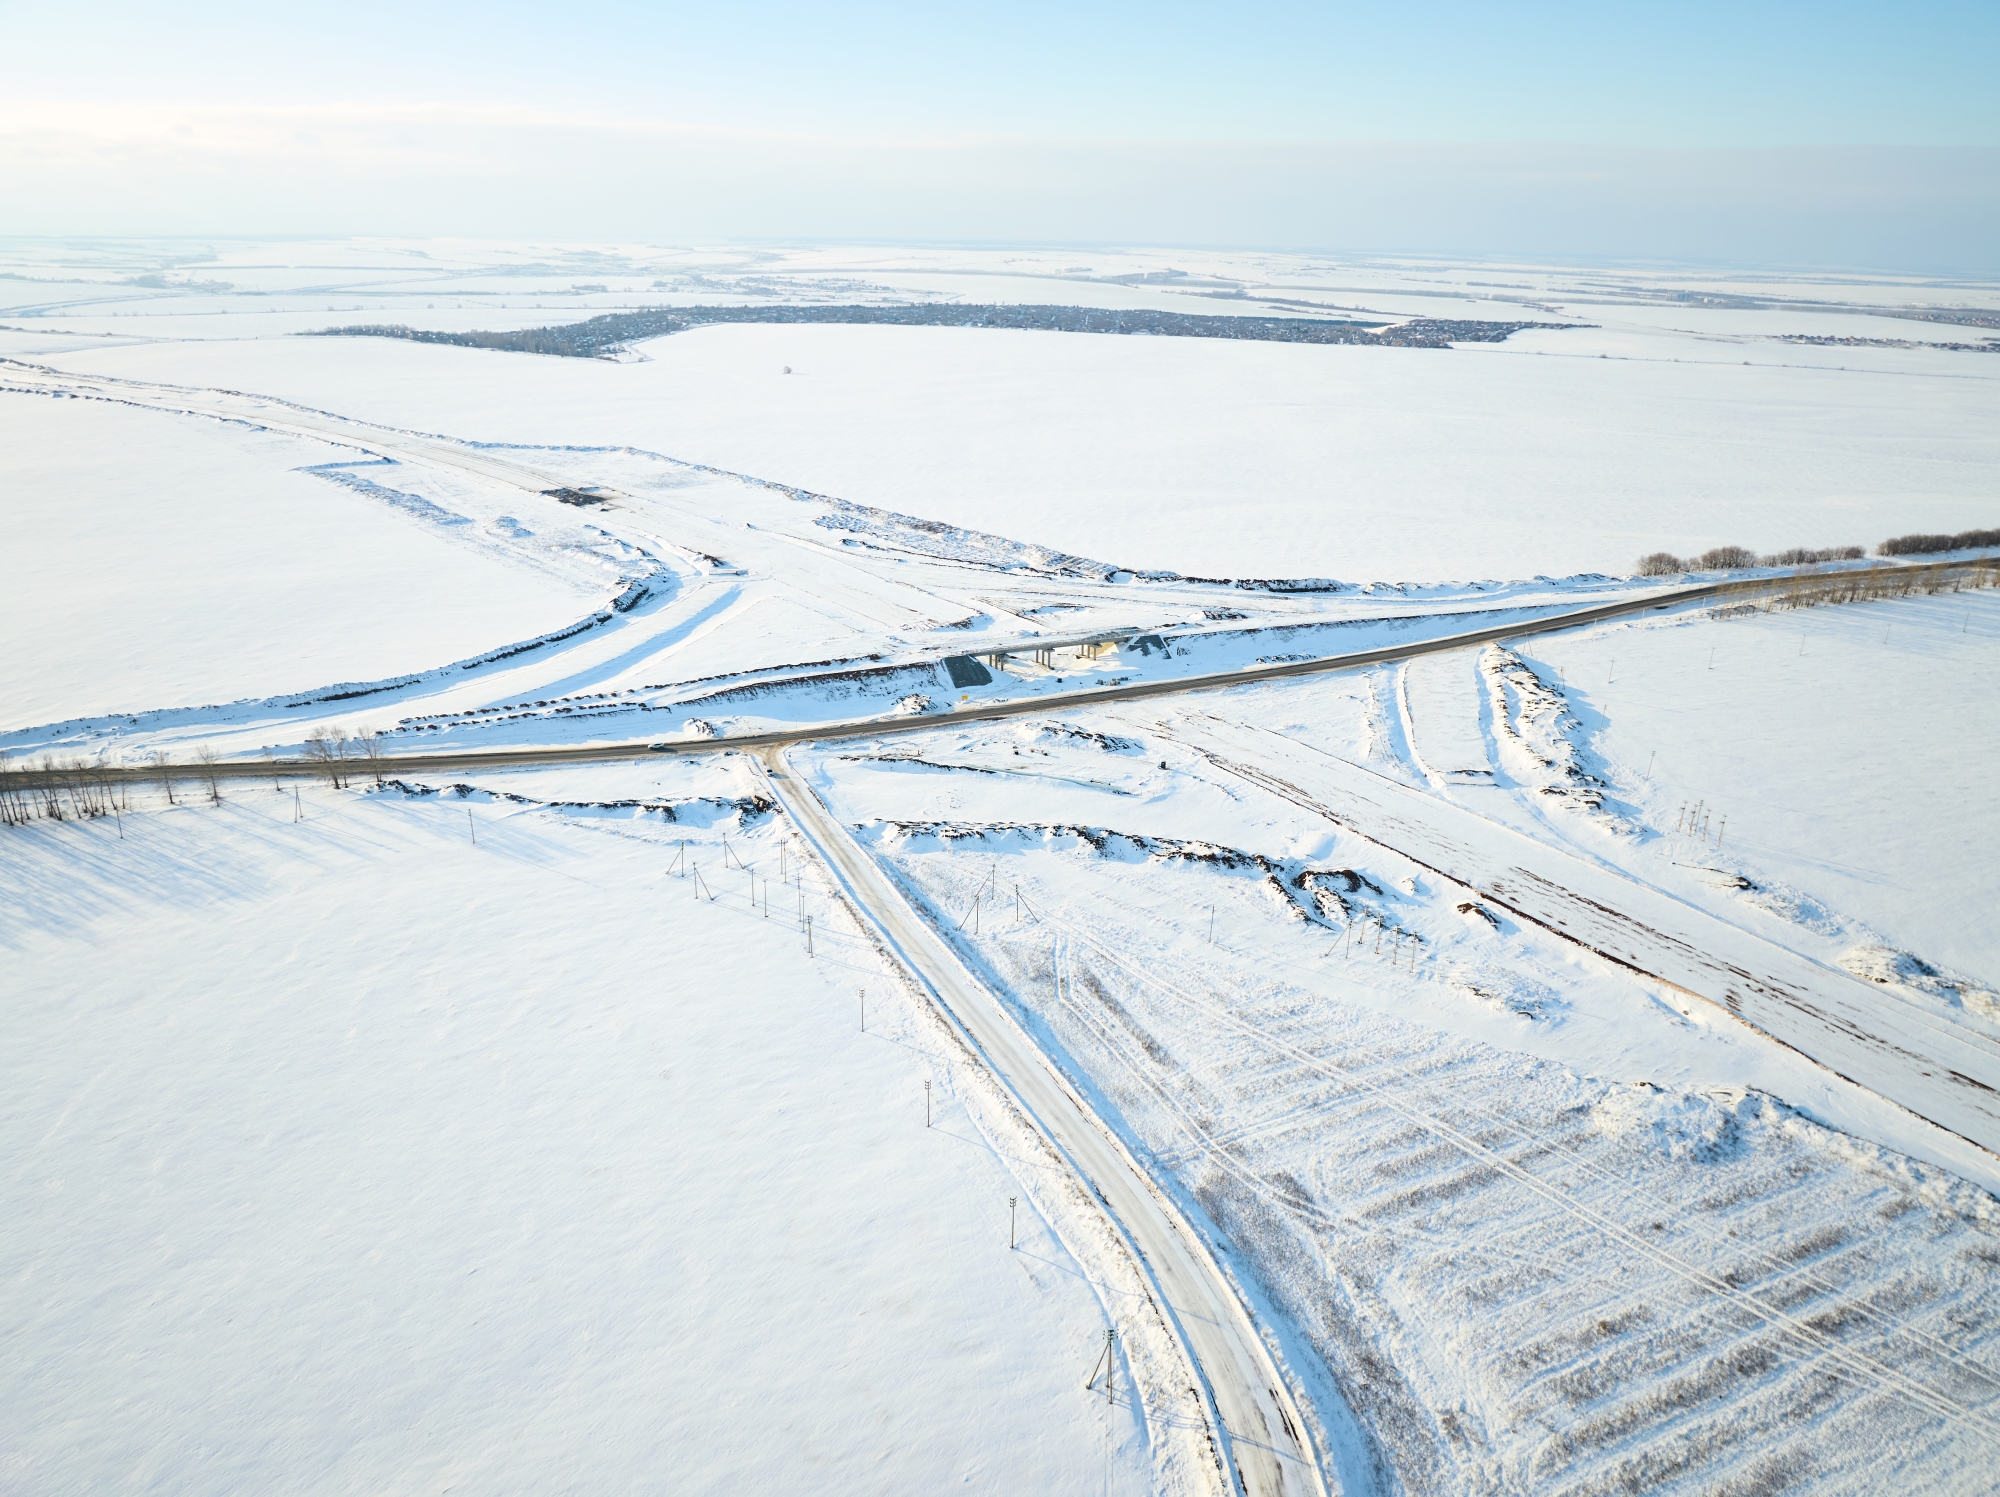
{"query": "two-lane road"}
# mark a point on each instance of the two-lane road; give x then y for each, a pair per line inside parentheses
(1261, 1441)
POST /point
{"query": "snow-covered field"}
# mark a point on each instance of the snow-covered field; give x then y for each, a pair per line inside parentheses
(1575, 1049)
(352, 1154)
(166, 562)
(1834, 742)
(1217, 457)
(1648, 423)
(1545, 1225)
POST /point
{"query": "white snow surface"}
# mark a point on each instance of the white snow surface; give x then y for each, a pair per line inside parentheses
(1836, 743)
(351, 1154)
(1671, 410)
(1222, 458)
(347, 1155)
(168, 562)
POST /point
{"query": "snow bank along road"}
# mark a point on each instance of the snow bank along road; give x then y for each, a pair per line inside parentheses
(1038, 706)
(1259, 1440)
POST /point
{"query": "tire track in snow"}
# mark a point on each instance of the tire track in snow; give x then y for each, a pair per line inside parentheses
(1864, 1367)
(1830, 1017)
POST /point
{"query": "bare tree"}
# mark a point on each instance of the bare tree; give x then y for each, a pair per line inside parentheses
(50, 790)
(82, 805)
(15, 809)
(1806, 556)
(368, 748)
(91, 787)
(164, 767)
(1916, 545)
(205, 757)
(328, 748)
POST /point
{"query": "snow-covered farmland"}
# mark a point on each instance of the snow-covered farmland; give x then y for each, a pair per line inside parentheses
(483, 1125)
(348, 1154)
(1222, 458)
(1843, 747)
(162, 561)
(1666, 410)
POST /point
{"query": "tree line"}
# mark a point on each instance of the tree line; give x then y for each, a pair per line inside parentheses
(609, 334)
(1739, 558)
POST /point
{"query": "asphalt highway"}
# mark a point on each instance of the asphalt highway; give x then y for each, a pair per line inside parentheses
(395, 763)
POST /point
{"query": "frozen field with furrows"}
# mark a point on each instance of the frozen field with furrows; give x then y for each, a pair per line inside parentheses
(1573, 1052)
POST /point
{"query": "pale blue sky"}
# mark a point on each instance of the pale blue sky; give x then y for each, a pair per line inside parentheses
(1917, 72)
(185, 111)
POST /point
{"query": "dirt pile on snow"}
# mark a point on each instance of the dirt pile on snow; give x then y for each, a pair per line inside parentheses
(1901, 969)
(1535, 729)
(1697, 1126)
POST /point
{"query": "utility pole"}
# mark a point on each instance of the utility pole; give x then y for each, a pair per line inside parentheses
(1104, 1360)
(472, 826)
(298, 806)
(1012, 1202)
(1211, 925)
(927, 1104)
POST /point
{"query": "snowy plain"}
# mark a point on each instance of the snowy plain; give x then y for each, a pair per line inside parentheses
(1220, 458)
(352, 1154)
(1652, 420)
(1834, 742)
(185, 562)
(1515, 1218)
